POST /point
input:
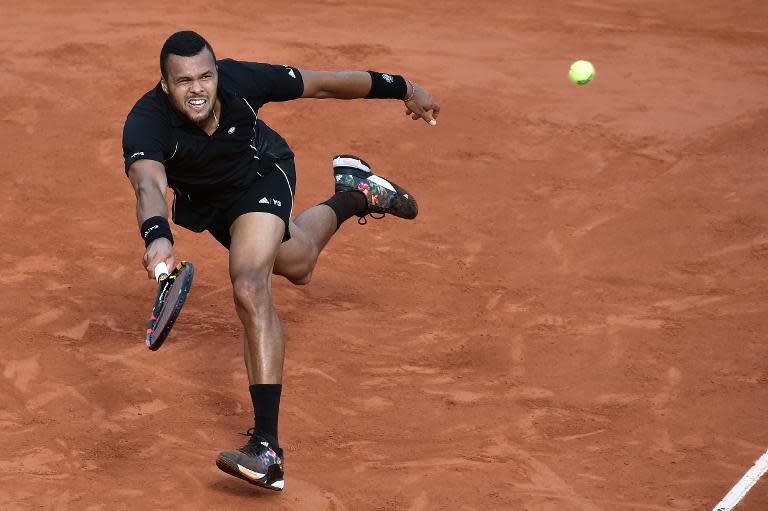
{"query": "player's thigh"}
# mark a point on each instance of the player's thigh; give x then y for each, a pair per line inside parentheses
(256, 239)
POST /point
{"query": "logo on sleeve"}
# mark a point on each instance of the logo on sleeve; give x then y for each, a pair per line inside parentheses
(387, 78)
(134, 155)
(290, 71)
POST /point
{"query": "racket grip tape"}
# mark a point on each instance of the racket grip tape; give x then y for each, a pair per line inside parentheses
(161, 271)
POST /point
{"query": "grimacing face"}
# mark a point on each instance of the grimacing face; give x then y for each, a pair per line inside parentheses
(191, 85)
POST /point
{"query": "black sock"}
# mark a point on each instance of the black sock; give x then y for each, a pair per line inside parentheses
(346, 204)
(266, 407)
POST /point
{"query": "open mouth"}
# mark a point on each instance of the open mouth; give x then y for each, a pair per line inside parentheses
(197, 104)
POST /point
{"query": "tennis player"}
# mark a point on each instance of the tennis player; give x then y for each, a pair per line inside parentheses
(198, 132)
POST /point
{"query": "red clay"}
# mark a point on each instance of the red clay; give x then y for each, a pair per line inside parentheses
(575, 322)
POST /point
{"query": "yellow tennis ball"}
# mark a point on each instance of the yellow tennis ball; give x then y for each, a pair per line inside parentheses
(581, 72)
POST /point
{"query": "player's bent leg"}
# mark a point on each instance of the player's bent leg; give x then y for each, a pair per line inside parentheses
(358, 192)
(297, 257)
(310, 233)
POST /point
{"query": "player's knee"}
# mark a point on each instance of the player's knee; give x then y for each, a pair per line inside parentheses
(252, 292)
(302, 273)
(301, 280)
(298, 273)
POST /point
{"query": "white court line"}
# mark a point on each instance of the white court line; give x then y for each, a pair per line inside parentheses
(744, 485)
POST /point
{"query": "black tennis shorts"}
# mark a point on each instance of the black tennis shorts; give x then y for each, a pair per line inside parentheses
(273, 193)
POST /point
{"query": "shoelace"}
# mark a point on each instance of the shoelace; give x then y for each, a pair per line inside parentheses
(254, 445)
(362, 220)
(254, 440)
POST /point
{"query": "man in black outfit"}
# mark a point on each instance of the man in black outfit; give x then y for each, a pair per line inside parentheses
(198, 132)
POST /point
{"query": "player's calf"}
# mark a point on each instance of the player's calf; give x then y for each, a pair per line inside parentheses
(297, 267)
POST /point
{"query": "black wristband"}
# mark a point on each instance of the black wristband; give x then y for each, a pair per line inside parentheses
(155, 227)
(386, 86)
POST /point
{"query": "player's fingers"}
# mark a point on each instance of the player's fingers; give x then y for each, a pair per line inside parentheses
(435, 110)
(421, 113)
(145, 263)
(155, 259)
(428, 118)
(408, 111)
(151, 268)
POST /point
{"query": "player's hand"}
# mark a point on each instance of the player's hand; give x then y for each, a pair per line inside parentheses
(422, 106)
(157, 252)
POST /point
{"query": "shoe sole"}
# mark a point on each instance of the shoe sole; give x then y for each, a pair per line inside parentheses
(232, 468)
(350, 160)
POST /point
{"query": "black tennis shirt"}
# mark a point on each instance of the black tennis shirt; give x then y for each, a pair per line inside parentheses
(214, 169)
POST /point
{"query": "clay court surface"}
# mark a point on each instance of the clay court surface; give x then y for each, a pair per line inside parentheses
(576, 321)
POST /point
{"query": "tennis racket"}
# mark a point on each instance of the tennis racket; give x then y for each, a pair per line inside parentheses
(174, 288)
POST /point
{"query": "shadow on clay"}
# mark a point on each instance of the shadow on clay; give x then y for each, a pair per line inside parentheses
(237, 488)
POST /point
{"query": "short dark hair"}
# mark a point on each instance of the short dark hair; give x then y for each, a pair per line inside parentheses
(184, 44)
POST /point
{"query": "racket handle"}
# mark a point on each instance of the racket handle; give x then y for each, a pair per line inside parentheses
(161, 271)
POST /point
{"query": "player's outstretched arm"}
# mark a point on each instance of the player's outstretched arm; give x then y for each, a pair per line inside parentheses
(371, 85)
(150, 184)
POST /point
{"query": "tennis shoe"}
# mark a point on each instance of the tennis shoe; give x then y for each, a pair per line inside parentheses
(256, 462)
(382, 195)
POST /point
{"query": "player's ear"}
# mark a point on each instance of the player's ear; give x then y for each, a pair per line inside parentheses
(164, 85)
